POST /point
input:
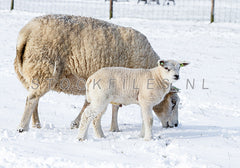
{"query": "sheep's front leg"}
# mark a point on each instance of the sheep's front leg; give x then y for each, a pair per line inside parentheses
(35, 118)
(75, 123)
(114, 123)
(30, 106)
(147, 122)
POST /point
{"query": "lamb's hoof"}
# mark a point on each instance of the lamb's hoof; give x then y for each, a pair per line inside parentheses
(37, 125)
(147, 138)
(74, 125)
(100, 136)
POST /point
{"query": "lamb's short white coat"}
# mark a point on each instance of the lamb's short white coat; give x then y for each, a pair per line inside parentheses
(145, 87)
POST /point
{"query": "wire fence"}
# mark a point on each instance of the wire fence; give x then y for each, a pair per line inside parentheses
(194, 10)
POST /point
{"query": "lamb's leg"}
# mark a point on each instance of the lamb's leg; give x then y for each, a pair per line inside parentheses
(35, 118)
(114, 123)
(75, 123)
(147, 121)
(97, 125)
(31, 103)
(89, 114)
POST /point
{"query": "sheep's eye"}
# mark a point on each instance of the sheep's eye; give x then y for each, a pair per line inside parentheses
(167, 69)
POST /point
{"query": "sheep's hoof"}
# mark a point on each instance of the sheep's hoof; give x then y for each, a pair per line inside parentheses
(20, 130)
(37, 125)
(81, 139)
(114, 130)
(74, 125)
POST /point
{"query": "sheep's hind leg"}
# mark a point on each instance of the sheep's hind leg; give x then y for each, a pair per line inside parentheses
(114, 123)
(75, 123)
(88, 115)
(35, 118)
(31, 103)
(97, 125)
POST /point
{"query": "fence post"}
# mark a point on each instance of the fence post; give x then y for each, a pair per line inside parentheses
(12, 4)
(212, 11)
(111, 9)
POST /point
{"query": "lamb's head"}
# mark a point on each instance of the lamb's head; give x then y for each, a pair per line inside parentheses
(171, 69)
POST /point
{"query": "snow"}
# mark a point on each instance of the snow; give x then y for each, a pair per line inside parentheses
(209, 130)
(194, 10)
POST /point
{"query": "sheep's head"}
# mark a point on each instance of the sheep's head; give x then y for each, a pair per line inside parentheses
(167, 110)
(171, 69)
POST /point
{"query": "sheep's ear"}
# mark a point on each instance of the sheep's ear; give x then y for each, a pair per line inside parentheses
(161, 63)
(183, 64)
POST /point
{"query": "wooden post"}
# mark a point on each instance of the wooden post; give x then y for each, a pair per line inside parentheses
(12, 4)
(212, 11)
(111, 9)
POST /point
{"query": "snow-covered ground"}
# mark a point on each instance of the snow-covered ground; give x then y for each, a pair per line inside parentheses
(209, 130)
(185, 10)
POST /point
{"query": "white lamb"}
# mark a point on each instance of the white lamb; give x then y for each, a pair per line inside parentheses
(145, 87)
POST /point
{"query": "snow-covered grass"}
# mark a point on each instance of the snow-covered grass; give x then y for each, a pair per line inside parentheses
(209, 131)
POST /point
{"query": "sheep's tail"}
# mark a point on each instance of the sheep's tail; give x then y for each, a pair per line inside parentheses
(87, 90)
(18, 62)
(20, 49)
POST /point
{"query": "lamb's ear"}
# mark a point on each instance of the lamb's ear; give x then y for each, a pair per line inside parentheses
(183, 64)
(161, 63)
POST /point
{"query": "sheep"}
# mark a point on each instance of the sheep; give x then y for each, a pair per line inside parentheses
(145, 87)
(55, 48)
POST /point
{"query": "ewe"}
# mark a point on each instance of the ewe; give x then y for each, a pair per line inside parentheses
(118, 85)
